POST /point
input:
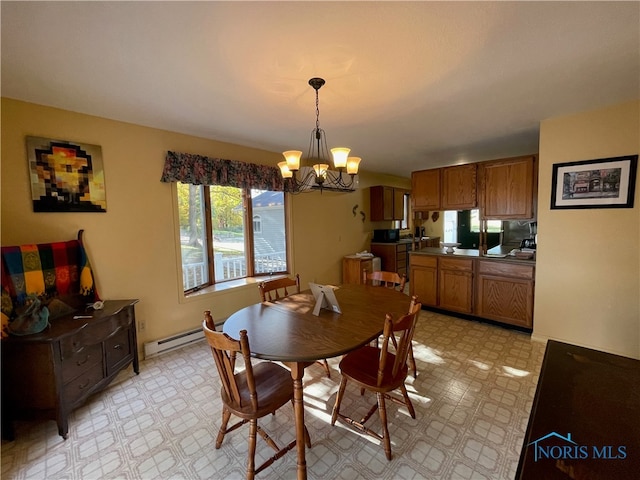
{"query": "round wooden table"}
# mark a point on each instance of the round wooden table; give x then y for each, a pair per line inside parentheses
(287, 331)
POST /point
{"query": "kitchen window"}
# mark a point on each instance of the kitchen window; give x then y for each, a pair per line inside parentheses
(227, 233)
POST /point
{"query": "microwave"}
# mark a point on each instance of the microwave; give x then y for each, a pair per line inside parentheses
(386, 235)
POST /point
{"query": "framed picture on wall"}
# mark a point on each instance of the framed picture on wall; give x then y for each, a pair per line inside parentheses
(65, 176)
(600, 183)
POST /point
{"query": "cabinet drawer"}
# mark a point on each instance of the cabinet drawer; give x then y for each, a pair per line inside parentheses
(503, 269)
(424, 261)
(82, 385)
(117, 348)
(96, 332)
(81, 362)
(460, 264)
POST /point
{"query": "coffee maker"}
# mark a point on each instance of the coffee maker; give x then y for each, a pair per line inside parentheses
(533, 237)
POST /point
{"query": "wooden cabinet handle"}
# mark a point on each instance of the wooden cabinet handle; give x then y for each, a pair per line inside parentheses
(117, 347)
(86, 384)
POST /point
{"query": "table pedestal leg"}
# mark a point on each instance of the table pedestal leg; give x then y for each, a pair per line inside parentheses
(297, 372)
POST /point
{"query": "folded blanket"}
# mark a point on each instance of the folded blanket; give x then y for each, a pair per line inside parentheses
(48, 269)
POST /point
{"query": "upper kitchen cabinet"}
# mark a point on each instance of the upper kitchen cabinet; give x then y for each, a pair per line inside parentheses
(425, 190)
(459, 187)
(450, 188)
(508, 188)
(387, 203)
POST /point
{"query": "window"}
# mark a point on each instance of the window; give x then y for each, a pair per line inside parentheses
(228, 233)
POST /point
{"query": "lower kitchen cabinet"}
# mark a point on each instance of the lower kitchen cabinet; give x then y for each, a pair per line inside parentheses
(424, 279)
(491, 289)
(455, 284)
(505, 293)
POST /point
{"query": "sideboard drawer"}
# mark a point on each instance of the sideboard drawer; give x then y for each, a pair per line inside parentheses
(82, 385)
(117, 349)
(81, 361)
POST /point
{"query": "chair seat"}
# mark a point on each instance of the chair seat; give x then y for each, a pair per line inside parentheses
(274, 385)
(361, 366)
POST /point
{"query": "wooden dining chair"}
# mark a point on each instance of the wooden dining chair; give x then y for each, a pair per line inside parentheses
(397, 282)
(274, 290)
(385, 279)
(251, 394)
(380, 370)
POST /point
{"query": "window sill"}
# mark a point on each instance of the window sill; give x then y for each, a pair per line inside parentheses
(249, 282)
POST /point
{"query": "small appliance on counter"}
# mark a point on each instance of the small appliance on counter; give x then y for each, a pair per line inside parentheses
(386, 235)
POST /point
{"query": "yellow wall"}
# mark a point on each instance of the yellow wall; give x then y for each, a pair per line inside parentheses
(588, 262)
(133, 246)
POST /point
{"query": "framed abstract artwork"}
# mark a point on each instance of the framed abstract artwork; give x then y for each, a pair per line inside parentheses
(600, 183)
(65, 176)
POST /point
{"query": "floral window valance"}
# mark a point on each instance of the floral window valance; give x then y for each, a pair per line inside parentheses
(201, 170)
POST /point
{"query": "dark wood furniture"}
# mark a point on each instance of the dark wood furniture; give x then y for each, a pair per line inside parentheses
(302, 338)
(394, 257)
(278, 288)
(251, 394)
(352, 267)
(386, 203)
(585, 418)
(49, 374)
(380, 370)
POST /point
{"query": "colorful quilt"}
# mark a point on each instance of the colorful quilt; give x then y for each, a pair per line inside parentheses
(46, 270)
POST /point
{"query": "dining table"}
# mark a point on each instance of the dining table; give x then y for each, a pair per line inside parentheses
(287, 331)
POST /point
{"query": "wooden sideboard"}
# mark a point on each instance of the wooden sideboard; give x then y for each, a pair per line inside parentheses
(49, 374)
(352, 267)
(585, 420)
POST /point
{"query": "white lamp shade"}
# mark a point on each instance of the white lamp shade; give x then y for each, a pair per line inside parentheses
(352, 165)
(284, 170)
(293, 159)
(340, 155)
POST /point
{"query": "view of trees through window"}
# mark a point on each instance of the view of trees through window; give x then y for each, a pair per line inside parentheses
(220, 238)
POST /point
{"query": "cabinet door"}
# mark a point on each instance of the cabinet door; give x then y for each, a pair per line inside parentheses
(455, 284)
(398, 203)
(425, 190)
(459, 187)
(381, 200)
(424, 279)
(505, 293)
(508, 188)
(387, 254)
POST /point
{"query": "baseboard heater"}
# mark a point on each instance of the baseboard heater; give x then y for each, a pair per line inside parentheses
(165, 345)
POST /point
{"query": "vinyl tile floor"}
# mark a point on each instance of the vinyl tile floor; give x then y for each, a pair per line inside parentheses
(472, 396)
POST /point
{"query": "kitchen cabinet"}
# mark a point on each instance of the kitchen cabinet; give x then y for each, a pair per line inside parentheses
(455, 284)
(424, 279)
(50, 374)
(387, 203)
(494, 289)
(450, 188)
(505, 292)
(425, 190)
(352, 267)
(508, 188)
(394, 257)
(459, 187)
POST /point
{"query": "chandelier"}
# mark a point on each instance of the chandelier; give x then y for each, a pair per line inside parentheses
(319, 176)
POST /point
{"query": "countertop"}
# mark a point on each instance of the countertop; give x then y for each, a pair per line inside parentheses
(494, 253)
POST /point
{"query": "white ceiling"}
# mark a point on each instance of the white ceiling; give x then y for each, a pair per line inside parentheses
(410, 85)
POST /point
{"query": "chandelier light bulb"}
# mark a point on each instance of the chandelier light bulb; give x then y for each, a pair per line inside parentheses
(293, 159)
(340, 155)
(352, 165)
(284, 170)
